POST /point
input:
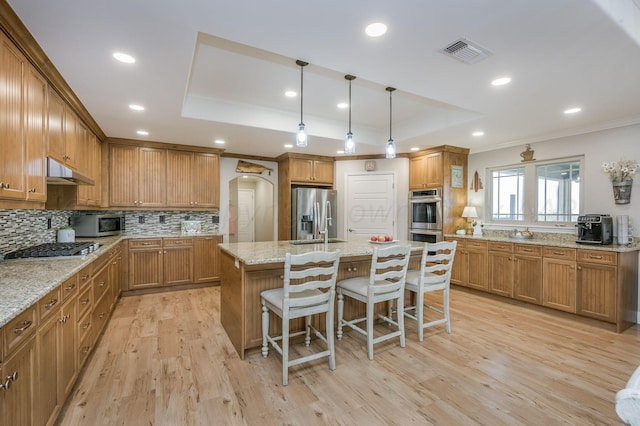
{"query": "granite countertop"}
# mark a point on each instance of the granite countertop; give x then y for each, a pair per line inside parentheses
(549, 240)
(25, 281)
(275, 251)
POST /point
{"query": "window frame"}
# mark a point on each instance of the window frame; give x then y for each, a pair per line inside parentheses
(530, 209)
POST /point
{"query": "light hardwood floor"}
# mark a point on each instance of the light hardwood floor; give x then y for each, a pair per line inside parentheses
(166, 360)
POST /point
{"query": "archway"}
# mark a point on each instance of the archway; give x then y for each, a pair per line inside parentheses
(251, 209)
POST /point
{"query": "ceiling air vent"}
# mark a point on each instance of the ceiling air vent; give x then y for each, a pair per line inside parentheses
(466, 51)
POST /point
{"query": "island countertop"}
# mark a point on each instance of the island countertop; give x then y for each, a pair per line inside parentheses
(274, 251)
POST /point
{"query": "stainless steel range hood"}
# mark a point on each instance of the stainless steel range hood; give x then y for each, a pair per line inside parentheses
(59, 174)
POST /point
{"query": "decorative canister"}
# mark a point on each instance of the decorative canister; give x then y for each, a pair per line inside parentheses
(66, 235)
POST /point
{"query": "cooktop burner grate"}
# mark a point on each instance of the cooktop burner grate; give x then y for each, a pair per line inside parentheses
(52, 250)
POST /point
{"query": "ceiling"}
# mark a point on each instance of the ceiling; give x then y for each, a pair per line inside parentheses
(208, 70)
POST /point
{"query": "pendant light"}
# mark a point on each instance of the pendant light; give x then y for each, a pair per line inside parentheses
(391, 145)
(349, 144)
(301, 136)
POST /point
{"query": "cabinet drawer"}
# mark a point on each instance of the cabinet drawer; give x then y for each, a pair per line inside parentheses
(69, 288)
(462, 243)
(500, 247)
(476, 245)
(177, 242)
(527, 250)
(100, 283)
(138, 244)
(84, 276)
(49, 304)
(84, 325)
(598, 256)
(84, 301)
(19, 330)
(559, 253)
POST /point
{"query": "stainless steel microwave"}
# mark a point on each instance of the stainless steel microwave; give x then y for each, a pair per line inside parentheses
(425, 209)
(97, 225)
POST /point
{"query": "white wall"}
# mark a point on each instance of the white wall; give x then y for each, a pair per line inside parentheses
(228, 173)
(400, 166)
(597, 148)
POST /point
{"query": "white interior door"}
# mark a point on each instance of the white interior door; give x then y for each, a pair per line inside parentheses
(370, 204)
(246, 215)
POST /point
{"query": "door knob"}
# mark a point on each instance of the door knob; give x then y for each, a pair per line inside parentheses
(350, 230)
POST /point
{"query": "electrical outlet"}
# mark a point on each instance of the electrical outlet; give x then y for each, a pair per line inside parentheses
(162, 218)
(49, 222)
(140, 219)
(187, 217)
(215, 219)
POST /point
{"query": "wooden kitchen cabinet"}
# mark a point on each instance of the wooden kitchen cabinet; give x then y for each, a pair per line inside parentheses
(160, 262)
(12, 142)
(460, 268)
(35, 135)
(527, 273)
(501, 268)
(193, 179)
(71, 139)
(91, 195)
(137, 176)
(559, 278)
(206, 259)
(307, 170)
(426, 171)
(68, 365)
(48, 357)
(596, 284)
(477, 264)
(18, 394)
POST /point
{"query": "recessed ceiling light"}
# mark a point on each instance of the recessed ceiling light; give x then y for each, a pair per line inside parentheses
(572, 110)
(415, 148)
(376, 29)
(501, 81)
(339, 151)
(123, 57)
(136, 107)
(343, 105)
(143, 132)
(478, 133)
(219, 142)
(291, 93)
(288, 145)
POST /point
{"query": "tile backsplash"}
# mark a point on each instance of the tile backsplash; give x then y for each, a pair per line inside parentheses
(23, 228)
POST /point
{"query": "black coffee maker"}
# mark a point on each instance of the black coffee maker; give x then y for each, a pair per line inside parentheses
(595, 229)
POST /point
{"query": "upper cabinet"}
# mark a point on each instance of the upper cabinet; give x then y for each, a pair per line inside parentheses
(311, 170)
(12, 71)
(35, 135)
(63, 131)
(150, 177)
(425, 171)
(192, 179)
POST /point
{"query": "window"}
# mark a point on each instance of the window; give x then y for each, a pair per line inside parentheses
(550, 189)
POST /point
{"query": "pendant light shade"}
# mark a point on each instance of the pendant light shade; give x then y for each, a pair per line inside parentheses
(349, 143)
(391, 145)
(301, 136)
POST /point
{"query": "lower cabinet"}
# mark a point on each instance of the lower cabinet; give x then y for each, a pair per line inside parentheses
(173, 261)
(559, 278)
(527, 273)
(501, 268)
(597, 278)
(477, 265)
(18, 400)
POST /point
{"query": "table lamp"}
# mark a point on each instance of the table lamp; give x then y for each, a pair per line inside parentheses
(469, 213)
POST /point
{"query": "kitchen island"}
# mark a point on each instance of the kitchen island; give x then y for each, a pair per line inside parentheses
(247, 269)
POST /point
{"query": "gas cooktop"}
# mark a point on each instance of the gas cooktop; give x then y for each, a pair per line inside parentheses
(54, 250)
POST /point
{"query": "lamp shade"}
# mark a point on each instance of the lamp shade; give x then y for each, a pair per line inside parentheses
(470, 212)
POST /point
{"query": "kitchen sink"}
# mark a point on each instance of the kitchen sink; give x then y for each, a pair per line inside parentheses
(317, 241)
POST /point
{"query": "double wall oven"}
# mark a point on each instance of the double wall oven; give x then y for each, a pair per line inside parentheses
(425, 215)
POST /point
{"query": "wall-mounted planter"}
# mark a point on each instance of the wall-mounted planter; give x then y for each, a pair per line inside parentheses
(622, 191)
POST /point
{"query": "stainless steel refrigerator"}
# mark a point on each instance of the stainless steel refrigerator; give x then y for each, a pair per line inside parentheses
(311, 210)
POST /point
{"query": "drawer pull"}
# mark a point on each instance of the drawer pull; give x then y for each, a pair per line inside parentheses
(593, 256)
(86, 325)
(85, 349)
(101, 315)
(101, 284)
(70, 287)
(84, 277)
(559, 253)
(26, 324)
(84, 301)
(51, 303)
(527, 249)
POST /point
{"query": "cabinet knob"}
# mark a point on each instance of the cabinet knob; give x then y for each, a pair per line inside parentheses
(85, 349)
(51, 303)
(101, 284)
(84, 301)
(70, 287)
(579, 268)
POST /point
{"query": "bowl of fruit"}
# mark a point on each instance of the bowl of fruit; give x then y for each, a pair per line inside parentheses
(382, 239)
